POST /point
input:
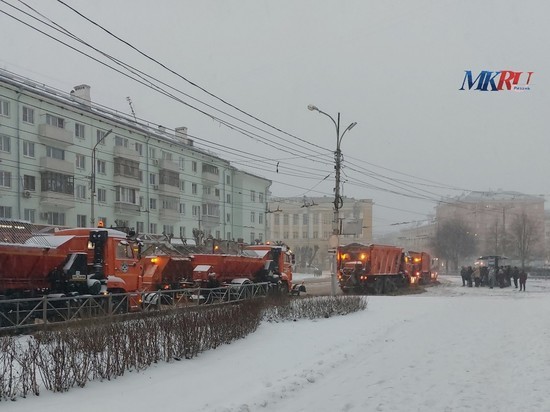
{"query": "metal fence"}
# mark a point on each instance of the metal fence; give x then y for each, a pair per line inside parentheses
(17, 314)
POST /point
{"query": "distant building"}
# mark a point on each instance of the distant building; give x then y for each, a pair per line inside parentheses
(55, 147)
(306, 224)
(490, 216)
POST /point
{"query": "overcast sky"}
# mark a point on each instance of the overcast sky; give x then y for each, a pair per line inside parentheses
(394, 67)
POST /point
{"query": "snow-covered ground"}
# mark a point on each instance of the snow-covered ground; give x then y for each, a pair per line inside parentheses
(453, 348)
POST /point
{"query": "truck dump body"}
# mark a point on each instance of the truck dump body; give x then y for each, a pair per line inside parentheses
(370, 268)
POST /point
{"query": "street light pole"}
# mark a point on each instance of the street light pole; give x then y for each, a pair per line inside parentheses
(92, 179)
(338, 202)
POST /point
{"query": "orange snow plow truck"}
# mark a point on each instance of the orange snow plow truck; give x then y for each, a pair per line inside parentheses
(375, 269)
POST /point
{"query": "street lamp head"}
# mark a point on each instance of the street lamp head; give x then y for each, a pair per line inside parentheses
(351, 126)
(312, 107)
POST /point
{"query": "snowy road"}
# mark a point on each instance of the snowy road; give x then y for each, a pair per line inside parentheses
(450, 349)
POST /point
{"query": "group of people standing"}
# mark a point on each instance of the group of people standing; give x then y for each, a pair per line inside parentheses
(492, 276)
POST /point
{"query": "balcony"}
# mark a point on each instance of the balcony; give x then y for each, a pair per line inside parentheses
(131, 182)
(56, 165)
(164, 188)
(126, 153)
(127, 209)
(169, 165)
(210, 178)
(169, 214)
(54, 135)
(210, 220)
(57, 200)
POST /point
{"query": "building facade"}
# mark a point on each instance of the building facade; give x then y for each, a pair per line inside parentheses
(306, 224)
(65, 161)
(491, 217)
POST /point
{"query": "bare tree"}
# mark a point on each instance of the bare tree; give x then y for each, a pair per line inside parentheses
(454, 240)
(526, 234)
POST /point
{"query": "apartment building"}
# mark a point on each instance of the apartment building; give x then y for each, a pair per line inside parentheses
(65, 161)
(306, 224)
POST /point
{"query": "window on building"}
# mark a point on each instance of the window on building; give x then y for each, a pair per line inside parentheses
(166, 155)
(228, 198)
(30, 215)
(206, 190)
(29, 183)
(261, 237)
(126, 167)
(217, 192)
(260, 218)
(194, 188)
(182, 185)
(5, 211)
(55, 153)
(228, 218)
(252, 195)
(152, 153)
(295, 219)
(228, 234)
(153, 228)
(196, 210)
(304, 234)
(28, 114)
(5, 143)
(260, 197)
(101, 167)
(285, 219)
(227, 180)
(122, 141)
(194, 166)
(102, 195)
(168, 230)
(208, 168)
(285, 235)
(56, 218)
(126, 195)
(4, 108)
(100, 137)
(80, 191)
(81, 221)
(79, 130)
(140, 227)
(152, 179)
(80, 162)
(182, 163)
(182, 232)
(139, 148)
(57, 182)
(182, 208)
(55, 121)
(315, 235)
(252, 238)
(295, 235)
(152, 203)
(277, 219)
(28, 149)
(252, 217)
(316, 218)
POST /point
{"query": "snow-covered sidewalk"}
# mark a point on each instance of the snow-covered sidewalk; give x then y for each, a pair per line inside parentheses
(450, 349)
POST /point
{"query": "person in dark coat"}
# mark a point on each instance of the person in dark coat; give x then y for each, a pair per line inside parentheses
(515, 276)
(463, 275)
(469, 276)
(522, 280)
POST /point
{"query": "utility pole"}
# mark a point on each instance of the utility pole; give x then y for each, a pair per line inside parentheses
(92, 178)
(338, 202)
